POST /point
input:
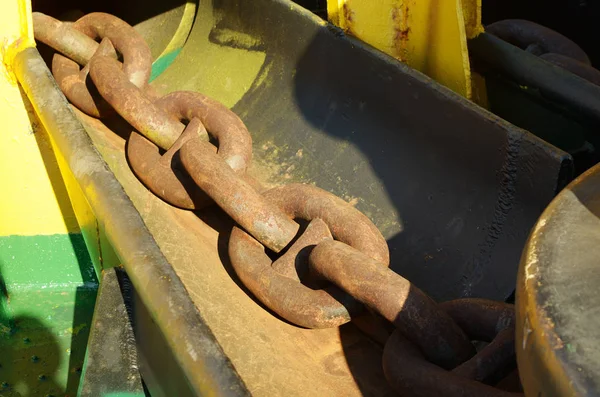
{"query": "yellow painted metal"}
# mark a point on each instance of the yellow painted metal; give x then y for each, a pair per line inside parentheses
(183, 30)
(39, 194)
(428, 35)
(28, 204)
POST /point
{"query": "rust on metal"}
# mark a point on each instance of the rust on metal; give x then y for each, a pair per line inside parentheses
(346, 223)
(396, 299)
(164, 175)
(73, 82)
(407, 368)
(262, 219)
(295, 302)
(63, 38)
(536, 39)
(292, 300)
(137, 58)
(410, 374)
(147, 117)
(294, 262)
(234, 140)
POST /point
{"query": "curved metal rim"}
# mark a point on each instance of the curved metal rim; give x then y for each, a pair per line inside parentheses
(557, 297)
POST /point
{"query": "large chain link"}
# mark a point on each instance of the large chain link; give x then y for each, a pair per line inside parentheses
(547, 44)
(323, 278)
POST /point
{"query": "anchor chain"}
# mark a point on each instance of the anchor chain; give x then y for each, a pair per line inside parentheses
(324, 276)
(547, 44)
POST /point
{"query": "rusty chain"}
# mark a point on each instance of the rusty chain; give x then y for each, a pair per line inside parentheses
(547, 44)
(326, 276)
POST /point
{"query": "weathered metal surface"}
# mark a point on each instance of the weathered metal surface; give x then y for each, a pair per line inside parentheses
(167, 178)
(263, 220)
(557, 295)
(201, 363)
(294, 262)
(346, 223)
(455, 194)
(430, 36)
(300, 304)
(163, 174)
(133, 104)
(322, 308)
(234, 140)
(278, 72)
(410, 373)
(74, 84)
(73, 43)
(137, 58)
(415, 314)
(536, 39)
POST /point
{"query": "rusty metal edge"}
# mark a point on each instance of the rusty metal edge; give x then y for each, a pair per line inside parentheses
(202, 362)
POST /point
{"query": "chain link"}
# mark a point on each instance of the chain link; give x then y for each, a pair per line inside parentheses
(324, 277)
(547, 44)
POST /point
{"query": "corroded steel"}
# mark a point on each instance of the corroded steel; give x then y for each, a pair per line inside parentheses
(294, 262)
(412, 312)
(264, 220)
(312, 308)
(410, 373)
(137, 58)
(163, 174)
(347, 224)
(132, 104)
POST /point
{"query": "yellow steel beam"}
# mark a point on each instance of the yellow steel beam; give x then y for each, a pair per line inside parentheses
(28, 205)
(428, 35)
(39, 193)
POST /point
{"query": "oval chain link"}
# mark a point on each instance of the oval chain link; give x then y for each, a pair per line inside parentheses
(338, 263)
(547, 44)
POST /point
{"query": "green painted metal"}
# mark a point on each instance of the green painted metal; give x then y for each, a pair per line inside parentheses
(49, 289)
(163, 63)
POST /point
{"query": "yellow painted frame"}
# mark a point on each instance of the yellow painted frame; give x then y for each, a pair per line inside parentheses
(428, 35)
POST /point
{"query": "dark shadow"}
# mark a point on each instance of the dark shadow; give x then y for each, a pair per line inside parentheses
(578, 20)
(29, 359)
